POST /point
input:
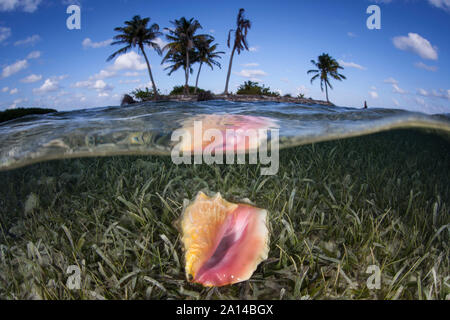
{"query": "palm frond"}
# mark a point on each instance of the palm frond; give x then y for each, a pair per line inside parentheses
(119, 52)
(314, 78)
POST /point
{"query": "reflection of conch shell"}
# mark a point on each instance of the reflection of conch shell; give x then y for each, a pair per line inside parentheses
(239, 132)
(224, 241)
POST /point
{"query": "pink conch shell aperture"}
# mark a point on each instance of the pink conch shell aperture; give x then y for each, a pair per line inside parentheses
(224, 242)
(235, 139)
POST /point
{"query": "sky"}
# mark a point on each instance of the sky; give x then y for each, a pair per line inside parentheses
(403, 65)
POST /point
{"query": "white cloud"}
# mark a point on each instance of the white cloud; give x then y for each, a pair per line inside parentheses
(351, 65)
(415, 43)
(5, 89)
(82, 84)
(24, 5)
(129, 81)
(16, 102)
(391, 81)
(98, 85)
(34, 55)
(251, 64)
(161, 43)
(103, 94)
(397, 89)
(31, 78)
(446, 94)
(286, 80)
(14, 91)
(5, 33)
(422, 92)
(132, 74)
(59, 78)
(373, 94)
(49, 85)
(373, 88)
(253, 49)
(103, 74)
(88, 43)
(107, 73)
(351, 34)
(442, 4)
(62, 93)
(424, 66)
(420, 101)
(442, 94)
(14, 68)
(252, 74)
(396, 102)
(129, 61)
(31, 40)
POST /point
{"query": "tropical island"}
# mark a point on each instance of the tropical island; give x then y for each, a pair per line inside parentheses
(11, 114)
(248, 92)
(186, 48)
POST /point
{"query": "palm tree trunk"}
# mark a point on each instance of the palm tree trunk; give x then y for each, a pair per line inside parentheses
(150, 72)
(198, 74)
(229, 70)
(326, 90)
(186, 74)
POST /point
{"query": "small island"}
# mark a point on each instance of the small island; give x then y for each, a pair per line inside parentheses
(186, 47)
(11, 114)
(248, 92)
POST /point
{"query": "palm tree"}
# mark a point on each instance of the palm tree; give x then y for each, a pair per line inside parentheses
(136, 33)
(206, 53)
(182, 39)
(178, 59)
(240, 40)
(327, 66)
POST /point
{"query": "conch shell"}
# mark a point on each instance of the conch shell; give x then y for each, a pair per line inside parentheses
(224, 242)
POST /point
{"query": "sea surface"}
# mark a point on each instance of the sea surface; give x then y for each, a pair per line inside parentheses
(146, 128)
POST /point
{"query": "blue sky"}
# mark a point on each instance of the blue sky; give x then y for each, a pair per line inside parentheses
(405, 64)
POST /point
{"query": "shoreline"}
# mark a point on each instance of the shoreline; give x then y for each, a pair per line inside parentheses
(235, 98)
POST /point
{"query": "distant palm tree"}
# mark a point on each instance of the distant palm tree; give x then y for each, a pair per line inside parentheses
(182, 39)
(240, 40)
(327, 66)
(206, 53)
(178, 59)
(136, 33)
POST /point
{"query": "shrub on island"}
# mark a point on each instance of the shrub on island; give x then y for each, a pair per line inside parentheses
(144, 95)
(177, 90)
(253, 88)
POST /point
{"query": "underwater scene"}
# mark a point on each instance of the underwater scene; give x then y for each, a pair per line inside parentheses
(335, 207)
(224, 157)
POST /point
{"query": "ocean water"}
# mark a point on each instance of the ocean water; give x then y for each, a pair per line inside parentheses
(96, 189)
(146, 128)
